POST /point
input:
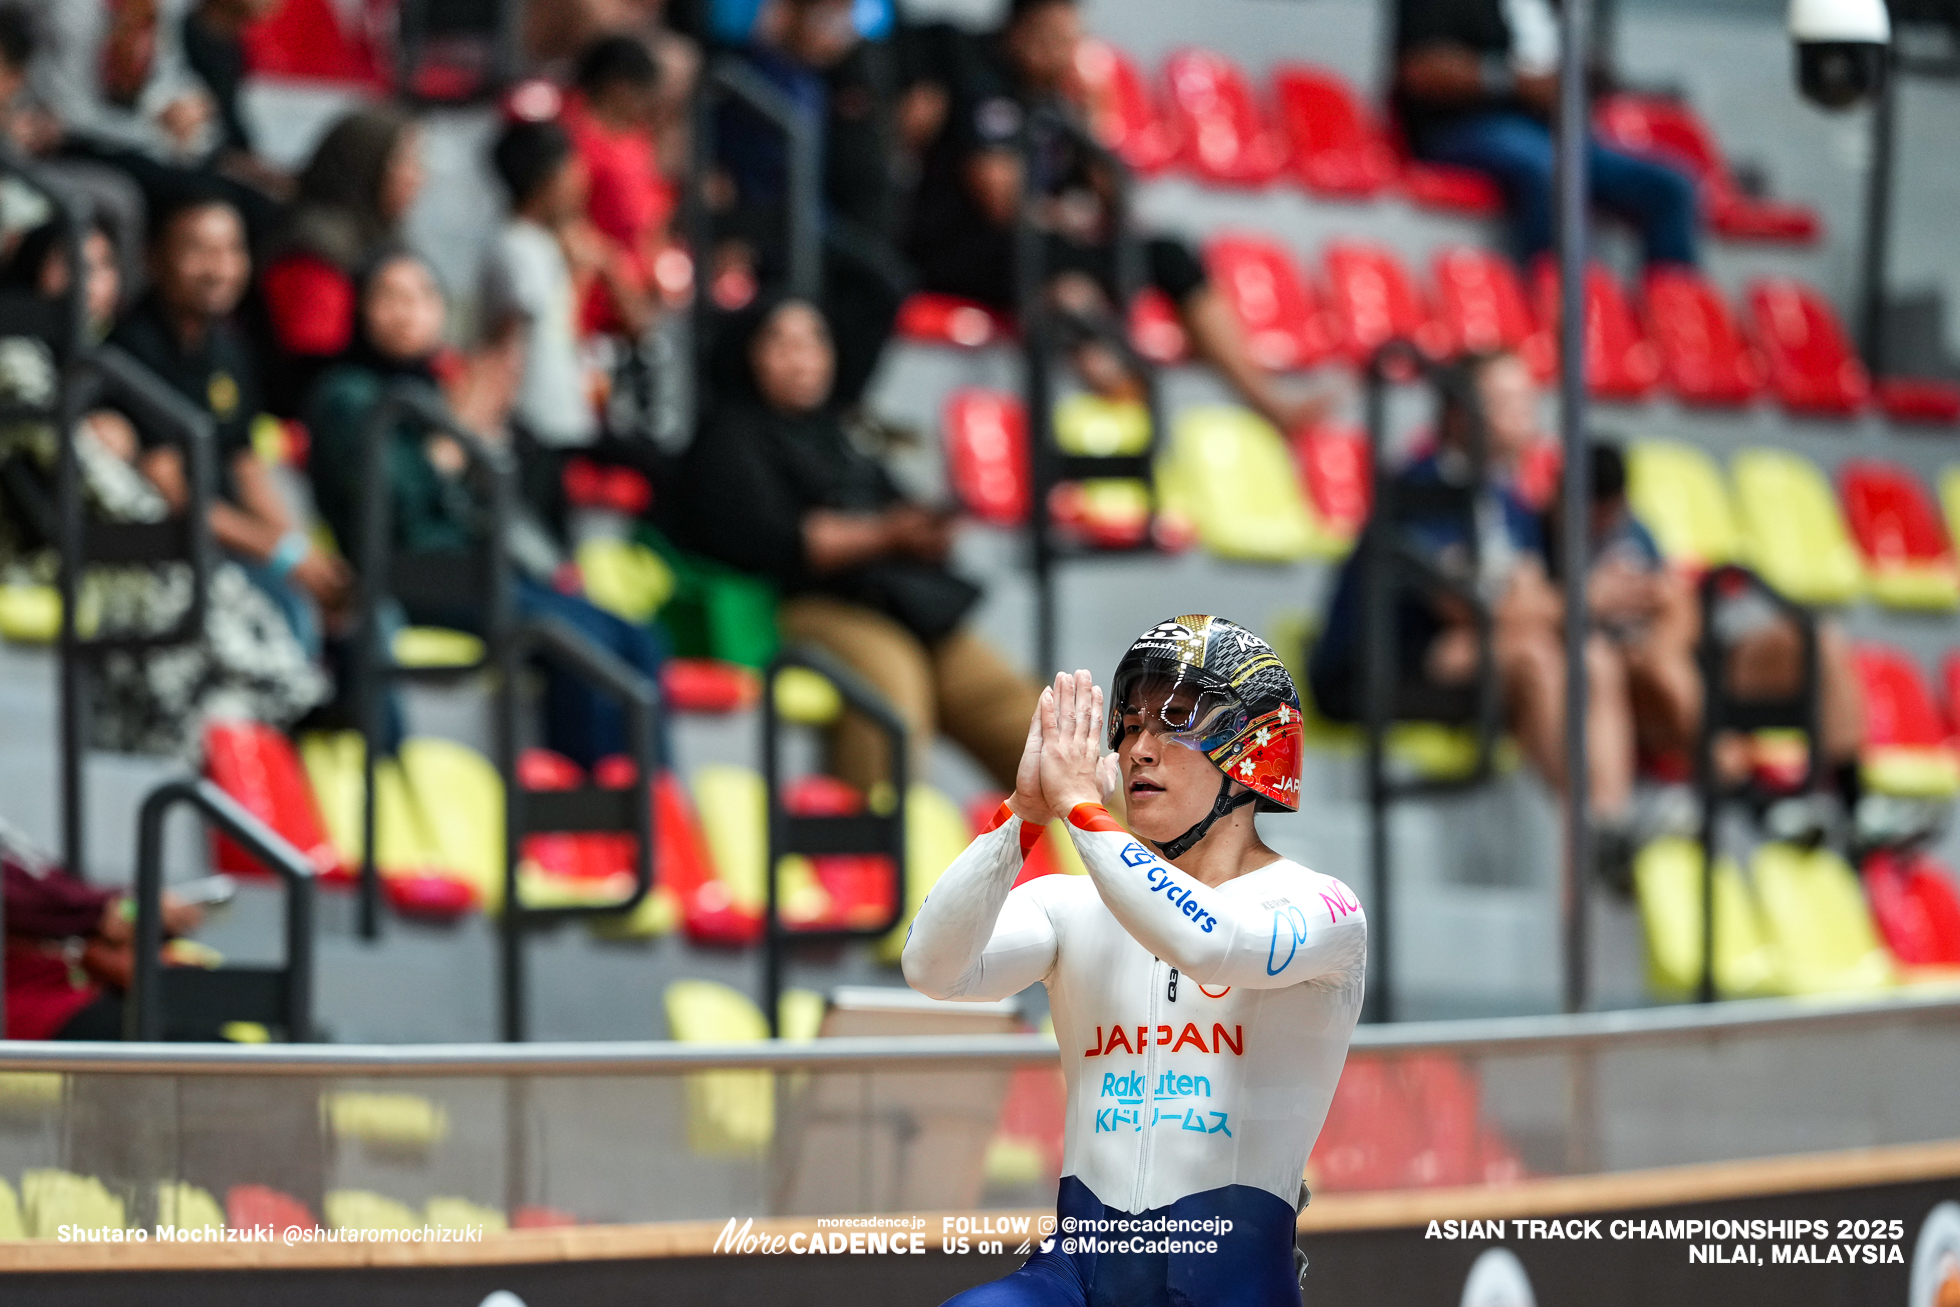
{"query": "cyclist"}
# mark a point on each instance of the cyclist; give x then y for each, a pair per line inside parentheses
(1204, 989)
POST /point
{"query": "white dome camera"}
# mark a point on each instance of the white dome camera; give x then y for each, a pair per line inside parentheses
(1840, 49)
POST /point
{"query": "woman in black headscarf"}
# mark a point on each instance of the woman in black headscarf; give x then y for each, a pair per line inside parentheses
(773, 485)
(350, 202)
(433, 507)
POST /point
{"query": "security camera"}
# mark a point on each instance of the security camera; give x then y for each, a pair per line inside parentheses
(1840, 49)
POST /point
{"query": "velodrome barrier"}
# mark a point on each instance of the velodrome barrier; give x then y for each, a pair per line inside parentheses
(1593, 1144)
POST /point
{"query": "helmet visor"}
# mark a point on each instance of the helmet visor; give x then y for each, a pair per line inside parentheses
(1193, 712)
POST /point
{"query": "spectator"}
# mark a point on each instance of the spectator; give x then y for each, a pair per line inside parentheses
(182, 331)
(610, 119)
(1435, 636)
(100, 190)
(776, 487)
(530, 288)
(399, 334)
(1651, 615)
(115, 77)
(71, 948)
(963, 222)
(1476, 85)
(248, 664)
(804, 48)
(215, 50)
(352, 198)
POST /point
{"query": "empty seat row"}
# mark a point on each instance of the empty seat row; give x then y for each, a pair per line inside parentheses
(1782, 519)
(1314, 130)
(1800, 923)
(1680, 332)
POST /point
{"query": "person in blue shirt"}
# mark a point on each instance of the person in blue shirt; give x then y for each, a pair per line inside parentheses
(1435, 633)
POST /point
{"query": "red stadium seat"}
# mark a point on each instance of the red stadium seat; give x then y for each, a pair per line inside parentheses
(1227, 139)
(708, 685)
(1915, 908)
(1670, 131)
(1900, 535)
(1480, 301)
(1811, 366)
(1450, 189)
(934, 319)
(986, 435)
(1284, 324)
(1335, 477)
(858, 886)
(1919, 399)
(1704, 356)
(1122, 110)
(1375, 300)
(1338, 147)
(1621, 363)
(1899, 709)
(1155, 331)
(257, 765)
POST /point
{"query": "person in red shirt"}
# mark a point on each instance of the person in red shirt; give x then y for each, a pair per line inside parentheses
(610, 117)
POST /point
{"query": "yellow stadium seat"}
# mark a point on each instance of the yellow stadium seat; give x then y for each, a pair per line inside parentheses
(732, 1113)
(625, 578)
(935, 833)
(1239, 486)
(1817, 920)
(435, 646)
(363, 1209)
(1093, 427)
(30, 614)
(390, 1120)
(807, 698)
(13, 1225)
(734, 811)
(445, 1213)
(52, 1198)
(1678, 493)
(1667, 886)
(182, 1206)
(1950, 500)
(1795, 534)
(460, 800)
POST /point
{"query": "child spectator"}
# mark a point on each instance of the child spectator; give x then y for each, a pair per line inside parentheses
(432, 507)
(775, 486)
(610, 119)
(182, 331)
(352, 197)
(528, 287)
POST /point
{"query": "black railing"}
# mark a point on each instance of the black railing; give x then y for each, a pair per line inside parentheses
(1391, 568)
(1723, 711)
(730, 78)
(479, 581)
(279, 996)
(873, 832)
(1042, 323)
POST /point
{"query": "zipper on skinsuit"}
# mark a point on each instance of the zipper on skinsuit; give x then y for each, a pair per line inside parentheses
(1149, 1109)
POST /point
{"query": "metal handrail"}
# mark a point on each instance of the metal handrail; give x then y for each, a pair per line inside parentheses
(1722, 711)
(143, 1010)
(730, 76)
(1386, 561)
(589, 808)
(869, 833)
(1481, 1037)
(422, 404)
(1038, 320)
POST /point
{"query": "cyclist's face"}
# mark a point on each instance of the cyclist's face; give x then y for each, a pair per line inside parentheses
(1167, 785)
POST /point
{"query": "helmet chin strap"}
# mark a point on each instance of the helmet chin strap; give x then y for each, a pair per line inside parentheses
(1225, 804)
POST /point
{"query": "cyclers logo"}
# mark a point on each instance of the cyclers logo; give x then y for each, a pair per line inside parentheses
(1159, 878)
